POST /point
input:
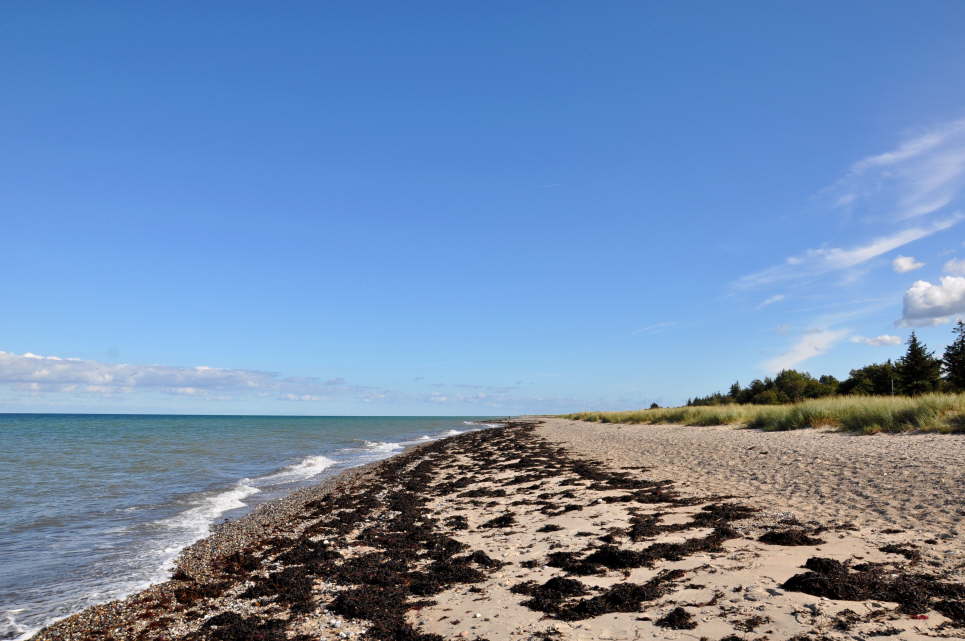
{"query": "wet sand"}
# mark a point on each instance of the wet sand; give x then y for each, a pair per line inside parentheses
(553, 529)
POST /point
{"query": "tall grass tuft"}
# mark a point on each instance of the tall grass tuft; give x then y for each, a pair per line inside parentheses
(862, 414)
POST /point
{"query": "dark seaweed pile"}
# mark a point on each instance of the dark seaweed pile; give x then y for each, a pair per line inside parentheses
(677, 619)
(792, 536)
(915, 593)
(628, 597)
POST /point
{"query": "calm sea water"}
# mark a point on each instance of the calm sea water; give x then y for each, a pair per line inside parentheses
(94, 507)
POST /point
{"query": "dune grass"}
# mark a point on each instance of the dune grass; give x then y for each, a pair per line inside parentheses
(865, 414)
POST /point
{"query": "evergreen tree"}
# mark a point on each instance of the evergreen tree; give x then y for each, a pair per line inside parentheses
(953, 361)
(919, 372)
(735, 391)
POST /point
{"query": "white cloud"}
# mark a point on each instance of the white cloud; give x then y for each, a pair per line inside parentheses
(902, 264)
(955, 267)
(776, 298)
(928, 304)
(33, 372)
(921, 176)
(815, 262)
(811, 344)
(877, 341)
(653, 329)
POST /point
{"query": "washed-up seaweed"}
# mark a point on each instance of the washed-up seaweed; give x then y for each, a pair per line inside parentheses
(915, 593)
(790, 536)
(677, 619)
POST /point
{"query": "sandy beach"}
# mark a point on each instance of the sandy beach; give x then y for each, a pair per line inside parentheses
(554, 529)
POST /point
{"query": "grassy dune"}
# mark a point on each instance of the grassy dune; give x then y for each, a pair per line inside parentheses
(867, 414)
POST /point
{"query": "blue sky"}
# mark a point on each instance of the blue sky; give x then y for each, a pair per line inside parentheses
(465, 208)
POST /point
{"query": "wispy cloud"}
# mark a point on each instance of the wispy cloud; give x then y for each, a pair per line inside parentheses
(877, 341)
(927, 304)
(921, 176)
(902, 264)
(654, 328)
(504, 401)
(33, 372)
(776, 298)
(815, 262)
(955, 267)
(811, 344)
(31, 375)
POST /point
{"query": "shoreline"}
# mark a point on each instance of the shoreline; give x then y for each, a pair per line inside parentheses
(510, 532)
(233, 531)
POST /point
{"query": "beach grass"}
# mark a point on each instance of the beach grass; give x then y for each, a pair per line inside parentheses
(864, 414)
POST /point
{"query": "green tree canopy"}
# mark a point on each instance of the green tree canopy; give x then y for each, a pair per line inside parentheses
(919, 372)
(877, 378)
(953, 361)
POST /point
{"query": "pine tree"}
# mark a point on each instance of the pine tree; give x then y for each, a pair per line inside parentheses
(919, 372)
(953, 361)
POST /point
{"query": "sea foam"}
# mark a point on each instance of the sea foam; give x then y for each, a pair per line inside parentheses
(198, 519)
(304, 469)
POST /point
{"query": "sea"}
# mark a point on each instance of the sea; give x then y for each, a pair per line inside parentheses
(95, 507)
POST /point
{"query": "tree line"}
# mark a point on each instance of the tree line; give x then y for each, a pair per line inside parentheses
(919, 371)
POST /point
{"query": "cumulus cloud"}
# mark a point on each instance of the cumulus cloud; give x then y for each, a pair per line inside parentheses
(877, 341)
(39, 373)
(811, 344)
(776, 298)
(928, 304)
(955, 267)
(923, 175)
(902, 264)
(815, 262)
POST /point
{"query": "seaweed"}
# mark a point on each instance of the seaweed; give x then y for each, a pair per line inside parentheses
(571, 563)
(751, 623)
(482, 492)
(677, 619)
(229, 626)
(549, 596)
(909, 552)
(485, 560)
(913, 592)
(622, 597)
(792, 536)
(291, 586)
(846, 619)
(305, 551)
(718, 514)
(500, 521)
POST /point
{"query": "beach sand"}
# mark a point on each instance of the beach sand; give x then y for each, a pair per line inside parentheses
(554, 529)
